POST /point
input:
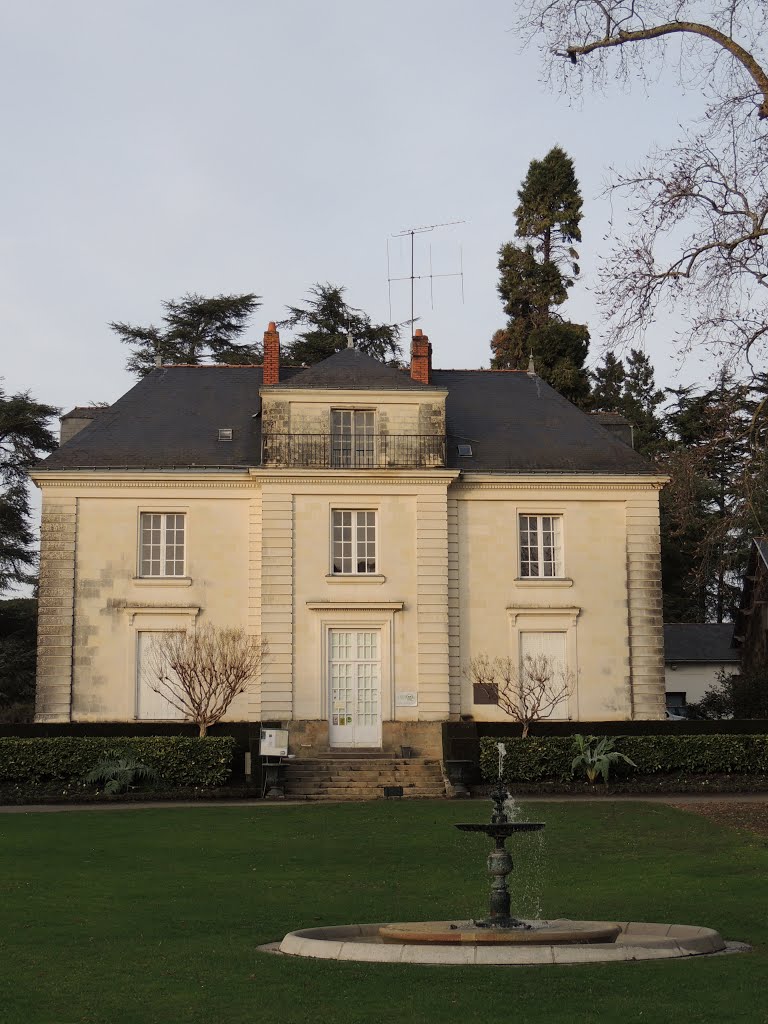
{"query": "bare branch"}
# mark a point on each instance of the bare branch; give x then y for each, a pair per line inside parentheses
(201, 673)
(621, 38)
(527, 693)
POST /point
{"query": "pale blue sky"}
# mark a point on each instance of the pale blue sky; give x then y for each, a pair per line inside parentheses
(154, 148)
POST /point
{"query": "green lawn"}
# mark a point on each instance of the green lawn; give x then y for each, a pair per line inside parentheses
(124, 917)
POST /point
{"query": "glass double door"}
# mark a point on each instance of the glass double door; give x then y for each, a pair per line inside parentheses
(355, 687)
(352, 439)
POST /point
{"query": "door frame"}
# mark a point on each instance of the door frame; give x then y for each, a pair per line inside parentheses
(377, 742)
(365, 616)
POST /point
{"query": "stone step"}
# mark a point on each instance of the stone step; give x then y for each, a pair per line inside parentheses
(364, 771)
(347, 761)
(361, 793)
(362, 778)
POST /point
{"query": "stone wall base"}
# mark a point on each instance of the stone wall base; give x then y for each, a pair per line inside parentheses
(310, 738)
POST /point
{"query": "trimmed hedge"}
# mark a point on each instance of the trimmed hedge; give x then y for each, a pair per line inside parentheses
(540, 758)
(178, 760)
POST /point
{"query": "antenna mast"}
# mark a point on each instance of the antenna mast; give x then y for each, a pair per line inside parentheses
(413, 277)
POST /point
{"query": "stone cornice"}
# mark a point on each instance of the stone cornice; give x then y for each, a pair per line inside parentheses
(78, 478)
(355, 606)
(555, 482)
(436, 477)
(356, 396)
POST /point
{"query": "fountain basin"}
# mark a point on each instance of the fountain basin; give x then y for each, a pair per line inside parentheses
(546, 933)
(635, 941)
(501, 829)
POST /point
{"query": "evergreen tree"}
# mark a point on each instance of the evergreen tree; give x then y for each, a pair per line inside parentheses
(18, 651)
(24, 438)
(194, 328)
(324, 323)
(608, 385)
(535, 275)
(640, 402)
(705, 510)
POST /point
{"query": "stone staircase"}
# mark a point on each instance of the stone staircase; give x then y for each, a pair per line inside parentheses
(361, 775)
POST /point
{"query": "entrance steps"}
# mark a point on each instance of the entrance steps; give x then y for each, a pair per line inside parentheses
(361, 775)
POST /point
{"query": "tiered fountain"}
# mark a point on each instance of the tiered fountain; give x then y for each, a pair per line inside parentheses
(501, 938)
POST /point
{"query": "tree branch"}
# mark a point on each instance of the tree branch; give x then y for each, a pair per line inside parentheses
(748, 62)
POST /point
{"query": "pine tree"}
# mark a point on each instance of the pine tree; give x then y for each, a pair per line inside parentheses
(325, 322)
(535, 275)
(24, 437)
(194, 328)
(640, 402)
(608, 385)
(705, 509)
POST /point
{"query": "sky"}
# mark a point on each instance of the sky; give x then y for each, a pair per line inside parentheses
(156, 148)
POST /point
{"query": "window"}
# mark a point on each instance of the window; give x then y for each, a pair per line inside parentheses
(354, 541)
(161, 544)
(541, 548)
(352, 438)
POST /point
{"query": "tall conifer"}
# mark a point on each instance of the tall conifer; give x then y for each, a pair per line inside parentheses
(535, 274)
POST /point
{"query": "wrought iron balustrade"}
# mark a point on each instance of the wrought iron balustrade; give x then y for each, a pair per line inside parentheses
(353, 451)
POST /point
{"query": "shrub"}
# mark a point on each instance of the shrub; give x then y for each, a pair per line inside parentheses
(595, 755)
(119, 774)
(176, 760)
(540, 758)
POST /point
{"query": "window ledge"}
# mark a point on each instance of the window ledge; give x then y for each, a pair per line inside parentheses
(162, 581)
(369, 578)
(544, 581)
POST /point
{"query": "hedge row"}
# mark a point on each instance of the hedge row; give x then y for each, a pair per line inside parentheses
(177, 760)
(540, 758)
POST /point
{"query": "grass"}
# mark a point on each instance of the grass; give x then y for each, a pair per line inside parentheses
(139, 916)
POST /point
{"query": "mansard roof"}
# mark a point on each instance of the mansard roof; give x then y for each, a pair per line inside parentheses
(351, 370)
(512, 421)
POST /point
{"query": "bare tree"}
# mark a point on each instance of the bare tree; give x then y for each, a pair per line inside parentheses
(698, 209)
(527, 692)
(201, 673)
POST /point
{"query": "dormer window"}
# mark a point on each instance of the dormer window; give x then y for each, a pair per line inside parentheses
(352, 438)
(225, 433)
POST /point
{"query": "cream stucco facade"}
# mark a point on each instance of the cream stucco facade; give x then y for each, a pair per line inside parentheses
(447, 582)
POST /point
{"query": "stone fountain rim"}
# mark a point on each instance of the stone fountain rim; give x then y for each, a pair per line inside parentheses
(637, 941)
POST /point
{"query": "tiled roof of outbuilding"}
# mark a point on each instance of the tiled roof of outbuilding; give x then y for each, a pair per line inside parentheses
(514, 423)
(699, 641)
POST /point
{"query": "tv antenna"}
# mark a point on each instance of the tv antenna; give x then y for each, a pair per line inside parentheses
(413, 277)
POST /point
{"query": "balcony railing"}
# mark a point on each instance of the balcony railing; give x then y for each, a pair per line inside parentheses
(361, 451)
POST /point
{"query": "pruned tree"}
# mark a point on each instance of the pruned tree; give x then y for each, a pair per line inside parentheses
(698, 209)
(200, 673)
(194, 328)
(528, 691)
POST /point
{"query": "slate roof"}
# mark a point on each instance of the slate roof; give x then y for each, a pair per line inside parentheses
(516, 423)
(699, 642)
(512, 421)
(84, 412)
(352, 370)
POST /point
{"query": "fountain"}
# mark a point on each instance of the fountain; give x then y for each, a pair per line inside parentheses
(500, 937)
(500, 926)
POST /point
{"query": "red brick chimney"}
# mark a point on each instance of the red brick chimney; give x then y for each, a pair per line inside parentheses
(421, 357)
(271, 372)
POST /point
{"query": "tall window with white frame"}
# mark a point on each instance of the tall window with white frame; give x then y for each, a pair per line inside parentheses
(353, 542)
(541, 546)
(352, 438)
(162, 544)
